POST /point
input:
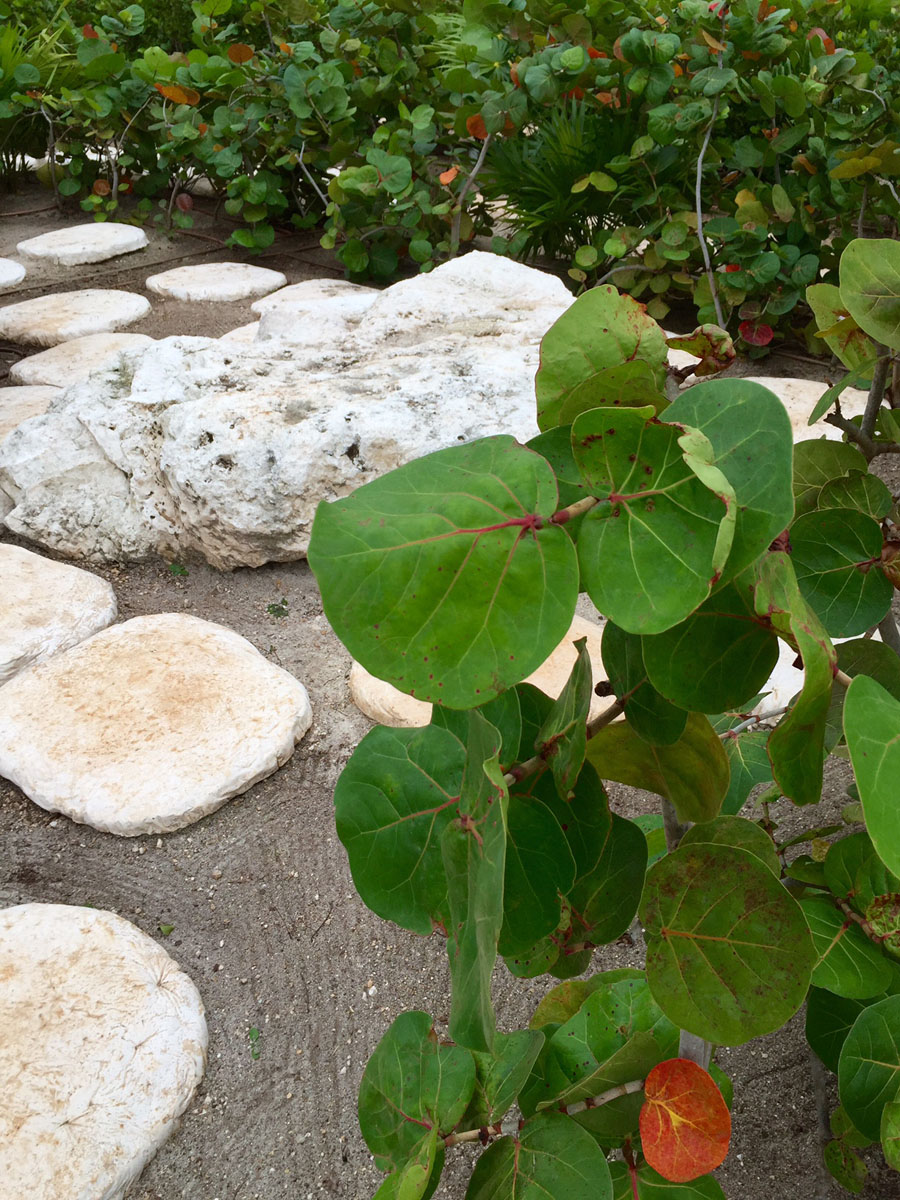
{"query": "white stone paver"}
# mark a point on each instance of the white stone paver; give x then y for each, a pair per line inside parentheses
(228, 281)
(149, 725)
(244, 335)
(93, 242)
(11, 274)
(17, 404)
(70, 362)
(102, 1045)
(309, 294)
(47, 606)
(62, 316)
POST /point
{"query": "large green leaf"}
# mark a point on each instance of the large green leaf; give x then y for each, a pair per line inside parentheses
(750, 433)
(870, 287)
(412, 1084)
(729, 954)
(504, 713)
(564, 1000)
(854, 871)
(749, 763)
(838, 329)
(650, 1186)
(692, 773)
(736, 831)
(667, 532)
(717, 659)
(869, 1066)
(849, 964)
(563, 736)
(473, 848)
(835, 552)
(646, 711)
(858, 490)
(392, 802)
(445, 577)
(829, 1018)
(601, 329)
(872, 730)
(817, 463)
(631, 384)
(501, 1076)
(553, 1159)
(539, 867)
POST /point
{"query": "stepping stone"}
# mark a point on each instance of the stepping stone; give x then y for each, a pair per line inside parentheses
(17, 404)
(310, 294)
(102, 1045)
(71, 362)
(62, 316)
(149, 725)
(244, 335)
(383, 703)
(47, 607)
(227, 281)
(94, 242)
(11, 274)
(800, 397)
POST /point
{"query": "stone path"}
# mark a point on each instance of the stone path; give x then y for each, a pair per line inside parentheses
(62, 316)
(11, 274)
(102, 1045)
(71, 362)
(93, 242)
(224, 281)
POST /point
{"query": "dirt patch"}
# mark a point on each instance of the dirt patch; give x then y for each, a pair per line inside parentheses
(264, 914)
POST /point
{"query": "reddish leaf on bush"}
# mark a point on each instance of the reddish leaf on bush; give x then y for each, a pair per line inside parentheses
(476, 126)
(685, 1123)
(756, 335)
(89, 31)
(101, 187)
(595, 53)
(178, 94)
(818, 31)
(240, 53)
(183, 202)
(449, 175)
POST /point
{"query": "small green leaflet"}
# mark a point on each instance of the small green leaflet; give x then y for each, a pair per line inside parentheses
(563, 736)
(553, 1159)
(651, 1186)
(869, 1066)
(872, 730)
(849, 964)
(836, 553)
(501, 1076)
(870, 287)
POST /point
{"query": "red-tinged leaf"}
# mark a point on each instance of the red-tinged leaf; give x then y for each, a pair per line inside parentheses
(756, 335)
(449, 175)
(685, 1123)
(818, 31)
(803, 161)
(594, 53)
(286, 49)
(101, 187)
(240, 53)
(183, 202)
(617, 50)
(178, 94)
(476, 126)
(713, 43)
(89, 31)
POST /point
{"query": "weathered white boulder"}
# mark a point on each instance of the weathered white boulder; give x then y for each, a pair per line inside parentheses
(800, 397)
(149, 725)
(11, 274)
(47, 607)
(382, 702)
(93, 242)
(61, 316)
(225, 449)
(102, 1045)
(17, 404)
(244, 335)
(309, 294)
(225, 281)
(70, 362)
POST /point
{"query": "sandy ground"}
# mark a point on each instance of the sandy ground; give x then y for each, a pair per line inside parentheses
(266, 919)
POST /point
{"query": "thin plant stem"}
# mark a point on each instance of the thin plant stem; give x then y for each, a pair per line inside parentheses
(697, 1049)
(466, 188)
(675, 829)
(698, 199)
(876, 394)
(890, 635)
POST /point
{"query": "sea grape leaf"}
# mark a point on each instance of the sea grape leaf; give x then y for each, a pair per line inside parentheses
(845, 1165)
(412, 1084)
(563, 736)
(849, 965)
(556, 447)
(504, 713)
(393, 800)
(870, 287)
(872, 730)
(419, 1176)
(749, 764)
(857, 378)
(646, 711)
(553, 1159)
(750, 433)
(667, 532)
(864, 656)
(645, 1184)
(838, 329)
(630, 385)
(501, 1076)
(564, 1000)
(796, 745)
(445, 577)
(858, 490)
(653, 827)
(736, 831)
(473, 848)
(729, 953)
(854, 871)
(833, 551)
(539, 867)
(601, 329)
(829, 1019)
(869, 1065)
(692, 773)
(712, 345)
(816, 463)
(685, 1122)
(890, 1134)
(716, 659)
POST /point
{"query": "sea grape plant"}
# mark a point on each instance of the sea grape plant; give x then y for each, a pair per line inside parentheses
(707, 541)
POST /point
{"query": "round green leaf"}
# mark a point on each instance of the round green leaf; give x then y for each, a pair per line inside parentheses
(554, 1159)
(872, 730)
(829, 1018)
(445, 577)
(833, 551)
(647, 712)
(890, 1134)
(860, 491)
(651, 1186)
(870, 287)
(854, 871)
(869, 1066)
(736, 831)
(729, 954)
(539, 866)
(849, 964)
(631, 385)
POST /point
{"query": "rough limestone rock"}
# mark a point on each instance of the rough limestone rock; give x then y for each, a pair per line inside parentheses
(102, 1045)
(800, 397)
(244, 335)
(227, 281)
(47, 607)
(90, 243)
(17, 404)
(62, 316)
(11, 274)
(149, 725)
(306, 297)
(225, 450)
(70, 362)
(383, 703)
